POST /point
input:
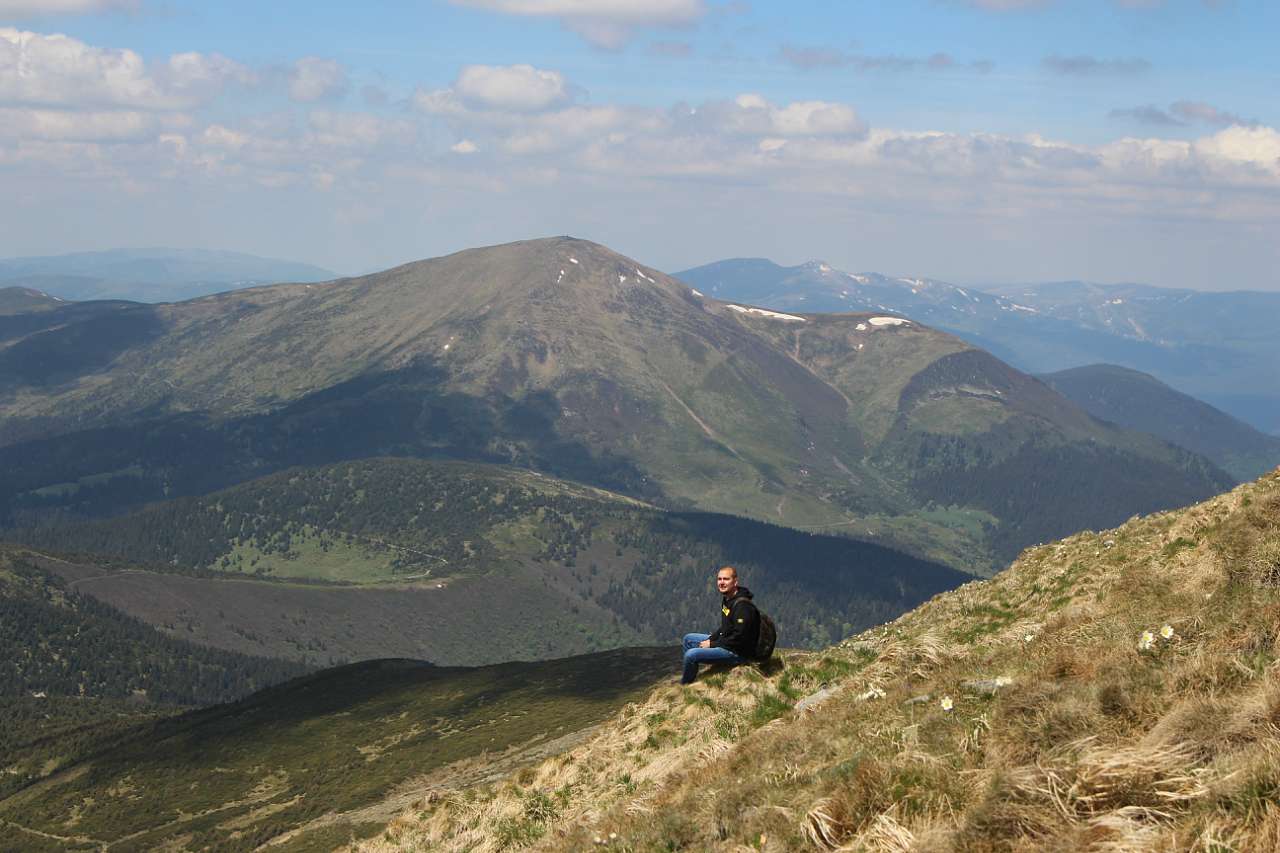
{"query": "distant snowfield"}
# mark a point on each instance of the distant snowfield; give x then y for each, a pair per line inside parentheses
(889, 321)
(742, 309)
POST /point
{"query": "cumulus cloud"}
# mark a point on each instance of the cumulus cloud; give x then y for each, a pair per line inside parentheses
(1092, 66)
(512, 88)
(313, 79)
(57, 70)
(608, 24)
(1253, 147)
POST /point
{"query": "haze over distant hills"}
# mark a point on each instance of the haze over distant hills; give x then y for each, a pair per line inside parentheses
(1220, 346)
(150, 275)
(563, 356)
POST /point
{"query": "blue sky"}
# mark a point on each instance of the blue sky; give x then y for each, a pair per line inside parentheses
(969, 140)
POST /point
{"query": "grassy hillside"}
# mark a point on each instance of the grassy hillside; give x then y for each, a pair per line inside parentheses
(23, 300)
(313, 762)
(464, 563)
(1112, 691)
(562, 356)
(57, 642)
(1140, 401)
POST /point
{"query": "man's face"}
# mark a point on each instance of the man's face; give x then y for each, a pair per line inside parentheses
(726, 582)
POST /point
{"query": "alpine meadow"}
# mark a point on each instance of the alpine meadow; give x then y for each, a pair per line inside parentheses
(483, 426)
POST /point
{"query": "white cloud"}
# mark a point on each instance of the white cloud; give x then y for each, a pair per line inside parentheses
(31, 8)
(1248, 146)
(604, 23)
(57, 70)
(521, 88)
(752, 115)
(313, 78)
(466, 146)
(78, 126)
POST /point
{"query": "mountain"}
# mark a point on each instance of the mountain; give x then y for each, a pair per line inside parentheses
(313, 762)
(1221, 345)
(1140, 401)
(21, 300)
(57, 642)
(817, 286)
(1217, 346)
(1112, 691)
(151, 275)
(462, 564)
(563, 356)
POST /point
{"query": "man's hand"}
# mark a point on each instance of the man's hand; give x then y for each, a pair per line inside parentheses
(705, 644)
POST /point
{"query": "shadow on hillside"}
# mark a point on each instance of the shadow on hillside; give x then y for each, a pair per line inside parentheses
(407, 412)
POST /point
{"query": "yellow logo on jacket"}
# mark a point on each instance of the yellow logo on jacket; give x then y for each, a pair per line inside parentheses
(724, 610)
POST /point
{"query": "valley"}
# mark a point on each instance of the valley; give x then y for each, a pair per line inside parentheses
(460, 563)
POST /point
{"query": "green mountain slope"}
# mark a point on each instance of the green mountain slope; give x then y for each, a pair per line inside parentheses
(55, 642)
(1140, 401)
(464, 563)
(1112, 691)
(22, 300)
(565, 357)
(313, 761)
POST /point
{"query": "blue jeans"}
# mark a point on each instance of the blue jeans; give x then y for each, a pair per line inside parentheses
(694, 655)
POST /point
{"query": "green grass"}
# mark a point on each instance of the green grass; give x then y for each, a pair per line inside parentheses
(307, 559)
(333, 742)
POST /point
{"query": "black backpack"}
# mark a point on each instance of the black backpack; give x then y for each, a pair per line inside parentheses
(766, 637)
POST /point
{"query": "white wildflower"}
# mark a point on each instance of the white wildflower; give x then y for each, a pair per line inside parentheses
(947, 704)
(1146, 641)
(613, 836)
(1028, 637)
(1166, 632)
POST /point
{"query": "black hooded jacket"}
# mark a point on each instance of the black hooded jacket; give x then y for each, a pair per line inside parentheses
(739, 630)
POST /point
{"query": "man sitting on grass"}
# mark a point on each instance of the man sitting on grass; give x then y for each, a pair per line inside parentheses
(735, 640)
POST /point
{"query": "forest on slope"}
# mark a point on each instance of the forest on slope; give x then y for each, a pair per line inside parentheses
(55, 641)
(500, 552)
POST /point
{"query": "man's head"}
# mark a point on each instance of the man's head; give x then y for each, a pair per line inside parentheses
(727, 581)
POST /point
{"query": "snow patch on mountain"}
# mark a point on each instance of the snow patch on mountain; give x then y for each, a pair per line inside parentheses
(743, 309)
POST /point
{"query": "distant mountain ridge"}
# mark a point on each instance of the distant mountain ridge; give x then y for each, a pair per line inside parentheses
(1231, 333)
(563, 356)
(151, 275)
(1218, 346)
(1140, 401)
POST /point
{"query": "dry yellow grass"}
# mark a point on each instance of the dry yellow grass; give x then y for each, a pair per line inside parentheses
(1115, 691)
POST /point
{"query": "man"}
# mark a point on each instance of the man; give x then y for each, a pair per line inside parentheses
(735, 641)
